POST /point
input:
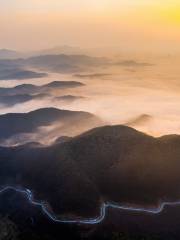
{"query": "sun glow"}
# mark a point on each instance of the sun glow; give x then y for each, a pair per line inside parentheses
(80, 22)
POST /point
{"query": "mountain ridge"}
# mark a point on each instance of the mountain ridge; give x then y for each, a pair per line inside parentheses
(107, 164)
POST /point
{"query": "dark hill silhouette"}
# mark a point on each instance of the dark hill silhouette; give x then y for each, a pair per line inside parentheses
(9, 54)
(92, 75)
(63, 84)
(32, 89)
(62, 139)
(107, 164)
(55, 63)
(132, 63)
(69, 98)
(64, 63)
(9, 101)
(141, 119)
(19, 123)
(20, 74)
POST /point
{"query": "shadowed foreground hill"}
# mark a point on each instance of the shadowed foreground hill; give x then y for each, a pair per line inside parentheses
(107, 164)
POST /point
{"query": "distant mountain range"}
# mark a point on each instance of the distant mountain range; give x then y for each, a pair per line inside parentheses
(9, 54)
(93, 75)
(34, 89)
(65, 63)
(69, 50)
(18, 68)
(17, 128)
(140, 120)
(20, 74)
(132, 63)
(26, 92)
(11, 100)
(108, 164)
(69, 98)
(53, 61)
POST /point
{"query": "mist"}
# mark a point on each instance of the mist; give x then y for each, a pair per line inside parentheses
(117, 95)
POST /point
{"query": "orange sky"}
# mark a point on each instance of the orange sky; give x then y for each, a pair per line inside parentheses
(34, 24)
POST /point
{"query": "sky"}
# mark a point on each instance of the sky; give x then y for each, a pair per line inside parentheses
(132, 24)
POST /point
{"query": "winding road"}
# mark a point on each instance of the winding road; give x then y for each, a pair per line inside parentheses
(28, 193)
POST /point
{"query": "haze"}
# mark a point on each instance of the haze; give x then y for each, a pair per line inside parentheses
(144, 35)
(38, 24)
